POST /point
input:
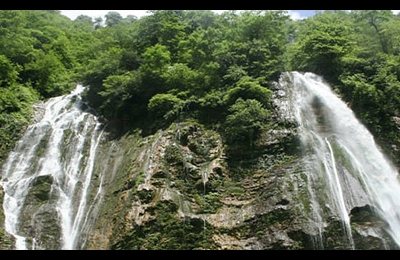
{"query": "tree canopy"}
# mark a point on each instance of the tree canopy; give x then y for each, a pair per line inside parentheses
(195, 64)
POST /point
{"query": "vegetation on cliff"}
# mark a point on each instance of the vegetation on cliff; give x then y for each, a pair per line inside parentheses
(173, 64)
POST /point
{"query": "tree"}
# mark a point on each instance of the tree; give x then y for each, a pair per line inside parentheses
(117, 89)
(8, 72)
(200, 19)
(130, 18)
(164, 108)
(113, 18)
(156, 58)
(245, 120)
(376, 19)
(180, 77)
(248, 88)
(321, 44)
(98, 22)
(84, 19)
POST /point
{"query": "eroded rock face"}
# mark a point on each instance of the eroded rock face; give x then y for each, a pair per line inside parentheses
(178, 190)
(169, 179)
(39, 218)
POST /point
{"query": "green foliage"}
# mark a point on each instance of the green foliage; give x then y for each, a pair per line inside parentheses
(209, 203)
(38, 60)
(155, 59)
(198, 64)
(15, 114)
(244, 121)
(373, 22)
(117, 90)
(213, 100)
(377, 88)
(173, 155)
(180, 77)
(322, 43)
(8, 72)
(165, 106)
(113, 18)
(164, 109)
(37, 47)
(105, 65)
(48, 74)
(233, 188)
(17, 99)
(247, 88)
(170, 56)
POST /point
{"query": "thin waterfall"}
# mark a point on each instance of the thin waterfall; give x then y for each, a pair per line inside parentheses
(335, 185)
(344, 166)
(58, 151)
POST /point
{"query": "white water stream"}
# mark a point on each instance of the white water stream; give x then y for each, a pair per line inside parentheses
(62, 146)
(341, 155)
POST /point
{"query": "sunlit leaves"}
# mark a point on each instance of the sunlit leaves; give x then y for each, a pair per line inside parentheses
(8, 72)
(248, 88)
(15, 114)
(180, 77)
(321, 44)
(375, 19)
(155, 58)
(244, 121)
(164, 106)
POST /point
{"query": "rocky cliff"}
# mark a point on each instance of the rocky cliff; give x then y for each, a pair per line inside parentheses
(178, 190)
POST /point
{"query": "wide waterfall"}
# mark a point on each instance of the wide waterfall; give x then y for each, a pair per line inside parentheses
(46, 178)
(344, 166)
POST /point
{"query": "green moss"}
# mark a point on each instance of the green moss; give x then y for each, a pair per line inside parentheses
(209, 203)
(145, 196)
(173, 155)
(166, 231)
(41, 188)
(335, 236)
(233, 188)
(260, 223)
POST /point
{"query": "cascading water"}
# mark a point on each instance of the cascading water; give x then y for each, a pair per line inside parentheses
(344, 166)
(46, 178)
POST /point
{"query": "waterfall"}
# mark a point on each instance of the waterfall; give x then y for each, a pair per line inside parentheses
(47, 177)
(344, 166)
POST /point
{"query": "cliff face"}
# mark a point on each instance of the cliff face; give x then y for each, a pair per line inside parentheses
(178, 190)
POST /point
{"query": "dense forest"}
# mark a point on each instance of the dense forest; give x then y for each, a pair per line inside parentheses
(215, 69)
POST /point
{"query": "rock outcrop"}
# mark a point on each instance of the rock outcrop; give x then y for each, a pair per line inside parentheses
(178, 190)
